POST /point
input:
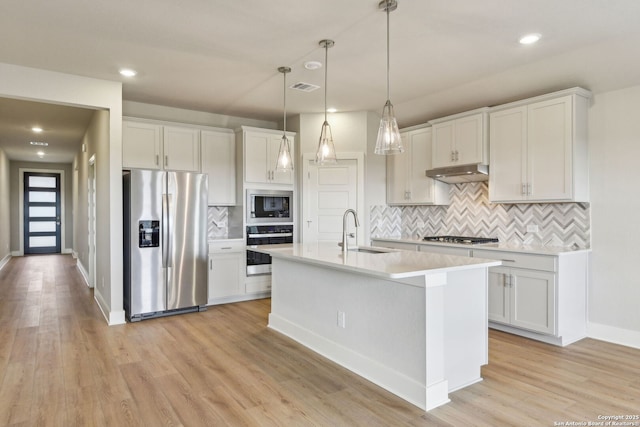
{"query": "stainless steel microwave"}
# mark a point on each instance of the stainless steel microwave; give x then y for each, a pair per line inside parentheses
(269, 206)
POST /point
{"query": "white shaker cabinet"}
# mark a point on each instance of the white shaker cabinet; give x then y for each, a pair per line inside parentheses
(539, 149)
(226, 271)
(141, 145)
(406, 180)
(260, 152)
(153, 145)
(460, 139)
(181, 148)
(218, 155)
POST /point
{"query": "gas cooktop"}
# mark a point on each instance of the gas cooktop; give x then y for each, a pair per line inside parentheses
(460, 239)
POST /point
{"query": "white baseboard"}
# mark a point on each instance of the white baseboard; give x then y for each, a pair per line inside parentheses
(67, 251)
(112, 317)
(5, 260)
(83, 272)
(16, 253)
(613, 334)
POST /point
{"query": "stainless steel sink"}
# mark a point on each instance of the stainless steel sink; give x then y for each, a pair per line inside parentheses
(369, 250)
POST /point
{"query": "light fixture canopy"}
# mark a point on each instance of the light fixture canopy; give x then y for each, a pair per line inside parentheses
(388, 141)
(284, 163)
(326, 153)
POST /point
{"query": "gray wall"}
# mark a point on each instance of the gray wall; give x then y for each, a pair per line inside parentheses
(5, 203)
(14, 202)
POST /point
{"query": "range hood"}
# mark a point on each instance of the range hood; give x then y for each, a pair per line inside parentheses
(460, 174)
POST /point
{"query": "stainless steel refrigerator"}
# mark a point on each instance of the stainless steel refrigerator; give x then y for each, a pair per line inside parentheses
(165, 243)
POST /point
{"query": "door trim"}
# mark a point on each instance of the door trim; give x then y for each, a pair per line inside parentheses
(21, 171)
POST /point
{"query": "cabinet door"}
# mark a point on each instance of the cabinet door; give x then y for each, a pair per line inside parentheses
(499, 300)
(421, 188)
(225, 277)
(469, 140)
(255, 157)
(273, 150)
(508, 137)
(219, 162)
(549, 149)
(181, 149)
(397, 191)
(141, 145)
(443, 143)
(533, 300)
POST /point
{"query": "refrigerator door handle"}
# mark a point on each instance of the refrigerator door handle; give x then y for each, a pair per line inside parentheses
(166, 248)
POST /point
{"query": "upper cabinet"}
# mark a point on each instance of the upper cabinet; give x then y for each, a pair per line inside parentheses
(218, 149)
(260, 152)
(147, 145)
(460, 139)
(539, 149)
(406, 180)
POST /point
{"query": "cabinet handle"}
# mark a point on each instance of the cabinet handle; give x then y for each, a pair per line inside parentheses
(508, 260)
(457, 156)
(226, 248)
(157, 160)
(166, 161)
(524, 189)
(452, 156)
(528, 189)
(210, 264)
(504, 280)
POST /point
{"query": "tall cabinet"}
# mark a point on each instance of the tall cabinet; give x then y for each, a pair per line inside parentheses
(406, 180)
(539, 149)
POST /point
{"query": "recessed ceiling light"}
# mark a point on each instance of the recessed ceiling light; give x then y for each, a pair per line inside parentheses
(312, 65)
(530, 38)
(332, 110)
(43, 144)
(36, 129)
(127, 72)
(40, 154)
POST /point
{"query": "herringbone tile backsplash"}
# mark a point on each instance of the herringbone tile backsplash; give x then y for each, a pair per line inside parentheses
(471, 214)
(217, 222)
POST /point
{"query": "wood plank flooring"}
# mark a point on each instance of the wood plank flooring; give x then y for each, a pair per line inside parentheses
(61, 365)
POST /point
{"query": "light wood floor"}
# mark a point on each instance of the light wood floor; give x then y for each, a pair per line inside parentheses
(61, 365)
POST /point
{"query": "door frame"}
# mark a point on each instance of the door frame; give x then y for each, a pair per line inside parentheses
(21, 171)
(91, 220)
(359, 158)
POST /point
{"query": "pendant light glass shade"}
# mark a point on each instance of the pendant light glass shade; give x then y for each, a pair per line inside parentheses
(389, 141)
(326, 153)
(284, 163)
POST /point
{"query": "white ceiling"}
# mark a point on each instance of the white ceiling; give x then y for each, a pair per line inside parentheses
(222, 57)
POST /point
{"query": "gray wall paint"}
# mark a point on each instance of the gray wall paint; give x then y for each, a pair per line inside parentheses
(15, 198)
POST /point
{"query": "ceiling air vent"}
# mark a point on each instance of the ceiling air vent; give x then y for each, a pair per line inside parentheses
(304, 87)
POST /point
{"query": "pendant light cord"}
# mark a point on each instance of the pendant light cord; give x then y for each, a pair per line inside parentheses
(326, 71)
(388, 90)
(284, 97)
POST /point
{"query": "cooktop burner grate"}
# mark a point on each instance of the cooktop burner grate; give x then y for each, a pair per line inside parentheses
(460, 239)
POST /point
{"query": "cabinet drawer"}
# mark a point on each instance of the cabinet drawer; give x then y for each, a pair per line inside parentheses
(226, 246)
(520, 260)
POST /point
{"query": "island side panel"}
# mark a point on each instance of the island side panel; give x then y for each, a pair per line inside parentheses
(383, 337)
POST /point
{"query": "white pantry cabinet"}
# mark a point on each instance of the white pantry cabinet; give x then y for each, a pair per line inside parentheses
(460, 139)
(539, 149)
(406, 180)
(260, 149)
(218, 155)
(226, 270)
(152, 145)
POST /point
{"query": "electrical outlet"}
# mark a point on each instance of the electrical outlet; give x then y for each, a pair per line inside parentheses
(532, 228)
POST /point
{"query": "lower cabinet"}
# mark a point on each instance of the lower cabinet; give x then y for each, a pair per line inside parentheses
(523, 298)
(226, 271)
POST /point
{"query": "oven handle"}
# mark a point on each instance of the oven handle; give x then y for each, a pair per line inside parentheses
(258, 236)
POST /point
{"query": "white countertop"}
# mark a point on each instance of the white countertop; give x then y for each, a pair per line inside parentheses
(391, 264)
(509, 247)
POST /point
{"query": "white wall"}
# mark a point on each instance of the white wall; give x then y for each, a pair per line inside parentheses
(614, 148)
(5, 221)
(47, 86)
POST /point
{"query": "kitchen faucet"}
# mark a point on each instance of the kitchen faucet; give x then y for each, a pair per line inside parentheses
(344, 228)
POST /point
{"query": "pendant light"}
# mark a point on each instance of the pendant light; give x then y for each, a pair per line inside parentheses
(389, 141)
(284, 163)
(326, 151)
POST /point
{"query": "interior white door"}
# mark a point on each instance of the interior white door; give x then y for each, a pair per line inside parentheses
(329, 190)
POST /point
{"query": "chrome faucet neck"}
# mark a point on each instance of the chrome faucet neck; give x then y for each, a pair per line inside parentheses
(345, 245)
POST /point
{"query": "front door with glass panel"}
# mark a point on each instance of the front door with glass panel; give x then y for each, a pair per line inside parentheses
(41, 213)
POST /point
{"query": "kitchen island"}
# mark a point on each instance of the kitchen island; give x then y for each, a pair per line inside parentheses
(413, 323)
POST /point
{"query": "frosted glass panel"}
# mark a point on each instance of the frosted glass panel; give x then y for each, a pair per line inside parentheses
(40, 211)
(42, 241)
(39, 226)
(42, 181)
(42, 196)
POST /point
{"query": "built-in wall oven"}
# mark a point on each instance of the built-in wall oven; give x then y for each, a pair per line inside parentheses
(259, 263)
